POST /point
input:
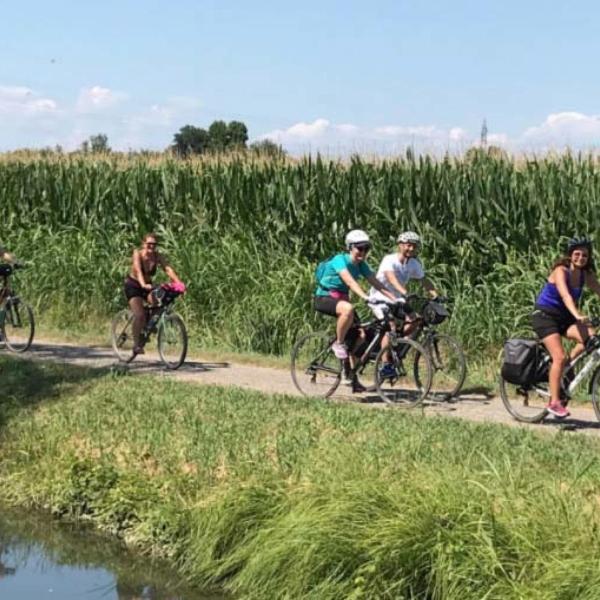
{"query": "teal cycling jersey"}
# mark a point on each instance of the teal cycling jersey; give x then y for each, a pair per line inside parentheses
(331, 280)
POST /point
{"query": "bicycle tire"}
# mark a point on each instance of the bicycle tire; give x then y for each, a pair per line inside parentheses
(121, 330)
(525, 405)
(449, 365)
(18, 327)
(172, 341)
(595, 389)
(314, 367)
(407, 389)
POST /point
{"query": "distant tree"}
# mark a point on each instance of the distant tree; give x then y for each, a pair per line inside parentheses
(218, 132)
(220, 137)
(85, 146)
(190, 140)
(238, 134)
(268, 148)
(99, 143)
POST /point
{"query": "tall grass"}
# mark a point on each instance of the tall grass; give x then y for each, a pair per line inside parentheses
(276, 497)
(247, 233)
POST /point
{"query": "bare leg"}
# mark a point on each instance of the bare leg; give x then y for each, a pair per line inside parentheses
(580, 333)
(554, 346)
(345, 318)
(139, 318)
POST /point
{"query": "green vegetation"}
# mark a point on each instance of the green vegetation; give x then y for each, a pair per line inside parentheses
(246, 233)
(275, 497)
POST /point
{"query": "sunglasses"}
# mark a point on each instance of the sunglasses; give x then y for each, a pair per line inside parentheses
(364, 248)
(151, 244)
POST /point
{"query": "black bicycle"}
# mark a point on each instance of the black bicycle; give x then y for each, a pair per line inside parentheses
(401, 372)
(17, 324)
(447, 356)
(527, 401)
(172, 338)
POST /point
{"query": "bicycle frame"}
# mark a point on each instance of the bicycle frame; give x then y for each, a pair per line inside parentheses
(382, 328)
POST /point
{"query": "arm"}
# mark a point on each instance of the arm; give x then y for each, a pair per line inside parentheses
(169, 270)
(560, 277)
(592, 282)
(6, 256)
(380, 287)
(391, 277)
(347, 278)
(429, 288)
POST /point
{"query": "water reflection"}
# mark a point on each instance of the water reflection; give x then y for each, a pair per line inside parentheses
(40, 558)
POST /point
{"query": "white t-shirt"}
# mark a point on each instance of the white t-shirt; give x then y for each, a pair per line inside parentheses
(404, 271)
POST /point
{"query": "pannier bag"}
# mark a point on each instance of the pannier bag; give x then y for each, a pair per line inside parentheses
(520, 361)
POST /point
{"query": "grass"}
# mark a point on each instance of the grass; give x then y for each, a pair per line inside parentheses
(278, 497)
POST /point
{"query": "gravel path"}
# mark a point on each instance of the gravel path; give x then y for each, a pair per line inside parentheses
(474, 404)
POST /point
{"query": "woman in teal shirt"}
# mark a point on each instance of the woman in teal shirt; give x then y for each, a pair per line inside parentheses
(340, 274)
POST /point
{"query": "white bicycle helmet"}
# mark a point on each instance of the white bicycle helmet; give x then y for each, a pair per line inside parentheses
(357, 236)
(409, 237)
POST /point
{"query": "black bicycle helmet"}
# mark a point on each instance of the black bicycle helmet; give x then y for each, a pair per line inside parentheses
(575, 242)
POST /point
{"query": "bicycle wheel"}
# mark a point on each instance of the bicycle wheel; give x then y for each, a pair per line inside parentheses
(449, 365)
(19, 325)
(121, 330)
(403, 373)
(526, 405)
(172, 340)
(595, 389)
(315, 369)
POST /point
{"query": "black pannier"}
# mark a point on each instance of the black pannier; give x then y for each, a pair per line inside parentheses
(520, 361)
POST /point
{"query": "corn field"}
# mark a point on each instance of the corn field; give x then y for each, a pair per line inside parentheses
(247, 233)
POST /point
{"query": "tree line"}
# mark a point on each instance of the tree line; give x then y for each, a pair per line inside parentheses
(192, 141)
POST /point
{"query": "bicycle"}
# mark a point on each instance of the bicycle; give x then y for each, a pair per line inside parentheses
(172, 338)
(17, 324)
(447, 356)
(527, 403)
(317, 372)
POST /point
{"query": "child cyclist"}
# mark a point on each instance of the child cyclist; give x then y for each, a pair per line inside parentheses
(339, 275)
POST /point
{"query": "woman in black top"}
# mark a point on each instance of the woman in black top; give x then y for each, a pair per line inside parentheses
(138, 284)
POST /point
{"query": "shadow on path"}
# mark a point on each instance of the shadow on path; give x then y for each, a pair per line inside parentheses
(27, 382)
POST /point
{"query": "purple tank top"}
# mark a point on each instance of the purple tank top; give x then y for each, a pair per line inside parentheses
(550, 298)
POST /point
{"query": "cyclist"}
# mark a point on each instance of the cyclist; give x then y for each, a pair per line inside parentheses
(339, 276)
(138, 283)
(395, 271)
(557, 313)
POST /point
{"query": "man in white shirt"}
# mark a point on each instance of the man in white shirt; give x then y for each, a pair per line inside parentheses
(395, 271)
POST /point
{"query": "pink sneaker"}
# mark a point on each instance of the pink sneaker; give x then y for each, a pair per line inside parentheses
(339, 350)
(557, 409)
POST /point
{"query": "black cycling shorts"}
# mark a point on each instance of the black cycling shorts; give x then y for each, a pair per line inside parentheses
(327, 306)
(133, 289)
(546, 322)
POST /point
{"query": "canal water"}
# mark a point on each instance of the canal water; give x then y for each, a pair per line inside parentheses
(43, 559)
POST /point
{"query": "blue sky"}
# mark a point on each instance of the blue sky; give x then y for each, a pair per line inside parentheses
(335, 76)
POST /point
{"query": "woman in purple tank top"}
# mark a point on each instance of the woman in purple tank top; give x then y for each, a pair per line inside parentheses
(557, 312)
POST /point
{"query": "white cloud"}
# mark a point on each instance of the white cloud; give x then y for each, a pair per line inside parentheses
(498, 139)
(98, 98)
(324, 136)
(22, 101)
(565, 129)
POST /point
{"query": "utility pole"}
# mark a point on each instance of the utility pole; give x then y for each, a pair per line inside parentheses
(484, 132)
